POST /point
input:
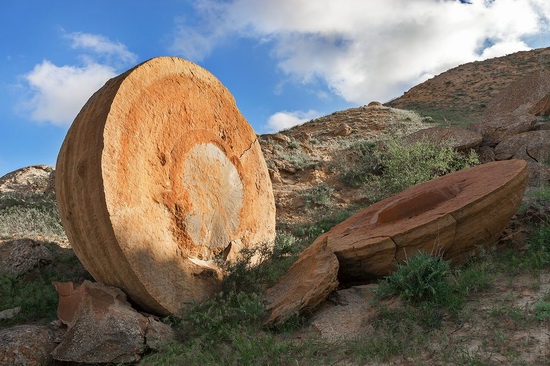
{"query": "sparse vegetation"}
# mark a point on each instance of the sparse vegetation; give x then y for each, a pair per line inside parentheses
(319, 195)
(389, 168)
(405, 165)
(29, 215)
(34, 293)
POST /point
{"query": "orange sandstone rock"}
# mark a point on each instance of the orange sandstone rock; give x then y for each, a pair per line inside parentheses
(453, 216)
(159, 175)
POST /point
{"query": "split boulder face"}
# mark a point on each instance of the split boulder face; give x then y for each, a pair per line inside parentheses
(158, 176)
(453, 216)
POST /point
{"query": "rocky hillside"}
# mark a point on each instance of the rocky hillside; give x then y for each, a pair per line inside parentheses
(460, 95)
(322, 171)
(308, 163)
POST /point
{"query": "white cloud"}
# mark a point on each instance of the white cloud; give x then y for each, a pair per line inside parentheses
(370, 50)
(55, 94)
(113, 52)
(59, 92)
(284, 119)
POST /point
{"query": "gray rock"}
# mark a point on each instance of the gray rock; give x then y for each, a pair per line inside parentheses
(103, 327)
(36, 179)
(22, 255)
(26, 345)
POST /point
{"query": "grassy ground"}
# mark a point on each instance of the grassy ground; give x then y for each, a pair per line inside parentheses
(493, 310)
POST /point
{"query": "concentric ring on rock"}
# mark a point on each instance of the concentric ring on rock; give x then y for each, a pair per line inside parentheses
(158, 176)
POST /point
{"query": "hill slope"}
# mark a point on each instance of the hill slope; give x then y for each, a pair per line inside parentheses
(459, 96)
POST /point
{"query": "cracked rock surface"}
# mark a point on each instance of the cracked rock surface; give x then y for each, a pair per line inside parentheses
(159, 176)
(454, 216)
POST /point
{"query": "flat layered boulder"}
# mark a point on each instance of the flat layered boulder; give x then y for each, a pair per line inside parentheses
(496, 128)
(159, 177)
(457, 138)
(453, 216)
(531, 146)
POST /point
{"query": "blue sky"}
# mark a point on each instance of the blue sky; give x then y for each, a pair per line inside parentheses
(284, 61)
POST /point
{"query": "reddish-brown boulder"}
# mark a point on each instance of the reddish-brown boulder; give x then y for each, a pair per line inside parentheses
(453, 216)
(533, 147)
(497, 128)
(343, 130)
(530, 146)
(542, 108)
(305, 285)
(525, 92)
(457, 138)
(102, 325)
(28, 345)
(159, 175)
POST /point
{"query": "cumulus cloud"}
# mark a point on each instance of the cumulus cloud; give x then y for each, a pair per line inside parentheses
(55, 94)
(370, 50)
(58, 92)
(285, 119)
(114, 52)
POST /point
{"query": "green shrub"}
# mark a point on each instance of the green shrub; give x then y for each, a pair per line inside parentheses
(309, 232)
(37, 298)
(260, 266)
(405, 165)
(542, 309)
(422, 278)
(319, 195)
(539, 249)
(363, 164)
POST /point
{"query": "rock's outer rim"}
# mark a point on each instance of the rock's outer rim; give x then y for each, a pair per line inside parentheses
(134, 267)
(468, 195)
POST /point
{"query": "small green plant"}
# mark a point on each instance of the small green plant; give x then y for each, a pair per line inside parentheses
(37, 298)
(260, 266)
(422, 278)
(363, 164)
(309, 232)
(319, 195)
(542, 309)
(539, 249)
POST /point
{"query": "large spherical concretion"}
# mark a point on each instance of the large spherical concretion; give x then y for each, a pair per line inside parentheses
(160, 176)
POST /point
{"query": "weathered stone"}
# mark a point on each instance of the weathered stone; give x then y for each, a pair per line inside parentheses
(497, 128)
(343, 130)
(539, 174)
(102, 326)
(525, 92)
(28, 345)
(533, 147)
(306, 284)
(486, 154)
(452, 215)
(530, 146)
(280, 137)
(374, 104)
(10, 313)
(542, 108)
(22, 255)
(159, 175)
(457, 138)
(30, 180)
